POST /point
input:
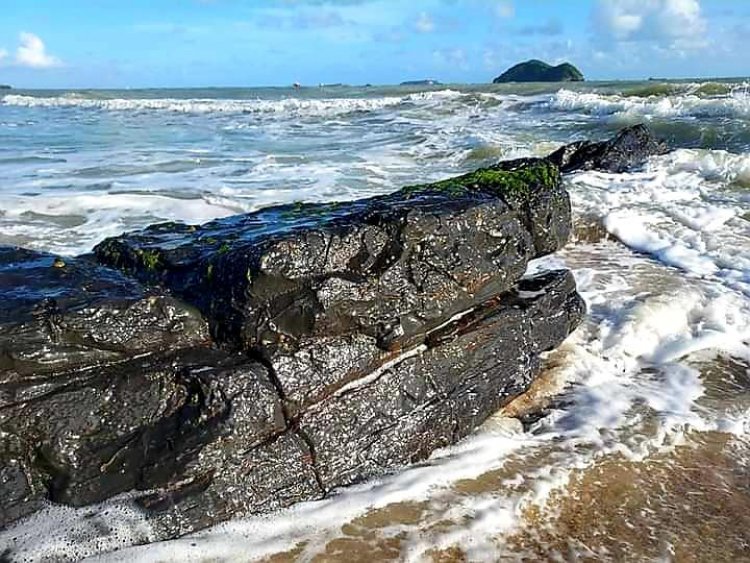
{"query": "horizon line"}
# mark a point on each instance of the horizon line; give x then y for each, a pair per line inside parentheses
(439, 84)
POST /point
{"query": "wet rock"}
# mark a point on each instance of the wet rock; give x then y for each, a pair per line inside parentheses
(229, 480)
(436, 394)
(545, 209)
(266, 359)
(59, 313)
(628, 149)
(22, 487)
(429, 396)
(333, 290)
(134, 424)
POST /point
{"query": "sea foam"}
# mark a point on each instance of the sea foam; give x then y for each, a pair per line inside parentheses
(681, 209)
(735, 104)
(313, 107)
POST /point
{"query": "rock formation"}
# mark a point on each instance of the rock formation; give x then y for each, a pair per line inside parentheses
(265, 359)
(539, 71)
(629, 148)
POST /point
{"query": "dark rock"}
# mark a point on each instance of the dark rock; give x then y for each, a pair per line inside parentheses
(58, 313)
(229, 479)
(134, 424)
(629, 148)
(539, 71)
(545, 209)
(232, 452)
(434, 395)
(22, 484)
(327, 293)
(346, 340)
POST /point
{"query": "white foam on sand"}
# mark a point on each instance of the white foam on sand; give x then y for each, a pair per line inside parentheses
(58, 533)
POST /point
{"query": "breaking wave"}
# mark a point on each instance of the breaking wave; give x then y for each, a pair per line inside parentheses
(294, 106)
(703, 89)
(732, 105)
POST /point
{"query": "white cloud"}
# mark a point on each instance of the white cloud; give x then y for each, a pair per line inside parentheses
(3, 55)
(505, 9)
(662, 21)
(424, 23)
(32, 52)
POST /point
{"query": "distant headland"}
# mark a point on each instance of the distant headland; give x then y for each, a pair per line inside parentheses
(539, 71)
(5, 87)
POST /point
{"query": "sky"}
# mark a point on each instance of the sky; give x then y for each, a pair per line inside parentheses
(194, 43)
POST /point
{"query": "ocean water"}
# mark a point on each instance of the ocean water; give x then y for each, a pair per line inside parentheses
(643, 449)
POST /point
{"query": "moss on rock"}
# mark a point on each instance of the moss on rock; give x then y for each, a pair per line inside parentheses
(516, 183)
(150, 259)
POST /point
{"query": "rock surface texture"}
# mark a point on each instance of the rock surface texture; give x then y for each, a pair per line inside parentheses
(539, 71)
(265, 359)
(629, 148)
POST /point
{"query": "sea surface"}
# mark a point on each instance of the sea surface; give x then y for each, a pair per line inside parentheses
(633, 445)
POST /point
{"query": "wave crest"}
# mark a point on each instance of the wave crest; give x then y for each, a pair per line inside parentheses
(734, 104)
(295, 106)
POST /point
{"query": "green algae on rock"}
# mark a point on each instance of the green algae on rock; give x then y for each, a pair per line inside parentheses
(503, 182)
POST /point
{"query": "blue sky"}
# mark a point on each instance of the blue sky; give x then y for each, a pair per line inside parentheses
(161, 43)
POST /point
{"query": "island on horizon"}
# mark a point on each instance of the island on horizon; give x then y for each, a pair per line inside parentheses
(538, 71)
(5, 87)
